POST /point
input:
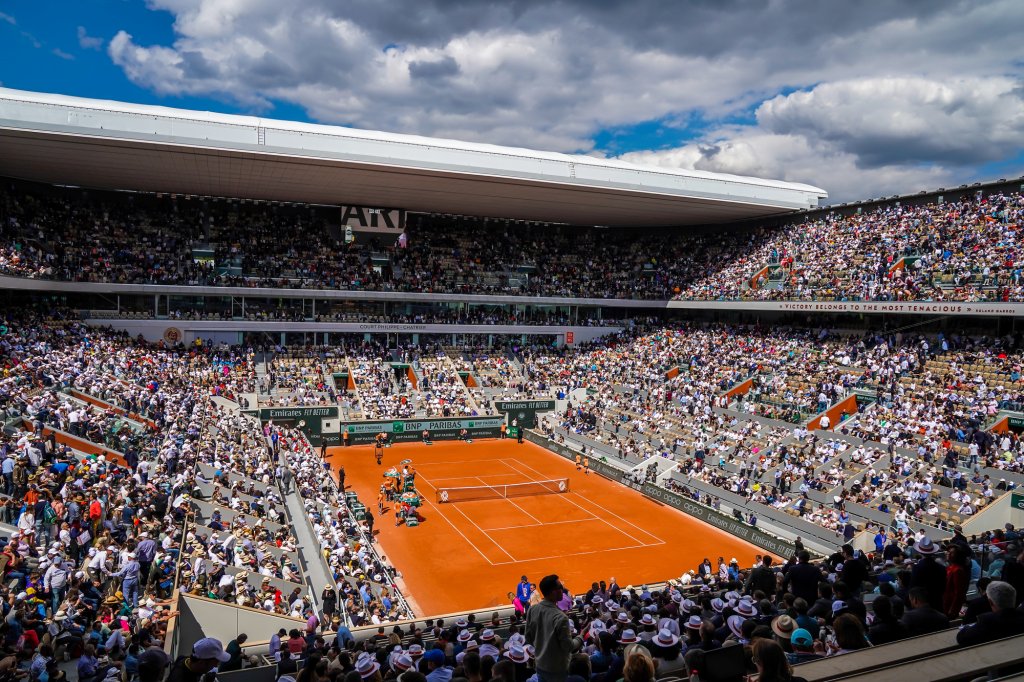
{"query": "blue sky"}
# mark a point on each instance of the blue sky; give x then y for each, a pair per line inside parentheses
(882, 98)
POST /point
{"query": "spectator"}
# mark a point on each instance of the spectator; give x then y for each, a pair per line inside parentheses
(771, 661)
(958, 579)
(234, 649)
(885, 628)
(928, 574)
(206, 655)
(922, 618)
(849, 635)
(547, 629)
(803, 648)
(1004, 621)
(803, 578)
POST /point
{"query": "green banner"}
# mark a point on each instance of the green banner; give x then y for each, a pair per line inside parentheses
(1017, 500)
(408, 430)
(524, 412)
(312, 416)
(534, 405)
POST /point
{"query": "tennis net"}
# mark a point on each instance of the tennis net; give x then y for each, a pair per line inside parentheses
(499, 492)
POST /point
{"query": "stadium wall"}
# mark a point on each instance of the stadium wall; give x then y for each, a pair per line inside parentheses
(231, 331)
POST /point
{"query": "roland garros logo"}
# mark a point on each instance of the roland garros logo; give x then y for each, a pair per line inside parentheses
(172, 335)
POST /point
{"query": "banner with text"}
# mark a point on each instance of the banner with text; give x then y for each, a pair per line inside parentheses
(311, 420)
(524, 412)
(407, 430)
(889, 307)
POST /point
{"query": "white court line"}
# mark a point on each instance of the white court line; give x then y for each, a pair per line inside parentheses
(462, 478)
(496, 544)
(549, 523)
(462, 462)
(457, 529)
(509, 500)
(647, 533)
(593, 516)
(562, 556)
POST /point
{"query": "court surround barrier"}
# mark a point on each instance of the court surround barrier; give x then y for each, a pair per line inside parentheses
(411, 430)
(708, 515)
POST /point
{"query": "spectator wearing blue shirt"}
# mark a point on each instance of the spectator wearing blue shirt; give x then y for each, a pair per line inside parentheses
(524, 591)
(7, 468)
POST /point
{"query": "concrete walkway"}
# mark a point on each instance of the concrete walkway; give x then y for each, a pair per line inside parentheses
(312, 565)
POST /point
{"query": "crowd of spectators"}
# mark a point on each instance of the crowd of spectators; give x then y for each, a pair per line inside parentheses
(363, 578)
(956, 251)
(765, 620)
(92, 561)
(182, 493)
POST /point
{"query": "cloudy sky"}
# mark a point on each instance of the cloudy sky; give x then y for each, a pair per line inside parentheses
(861, 98)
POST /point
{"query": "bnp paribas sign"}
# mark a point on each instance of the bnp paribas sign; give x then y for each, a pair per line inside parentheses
(363, 219)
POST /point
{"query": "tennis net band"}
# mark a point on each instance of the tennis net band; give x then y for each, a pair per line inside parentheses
(499, 492)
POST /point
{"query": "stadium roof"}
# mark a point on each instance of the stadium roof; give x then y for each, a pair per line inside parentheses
(111, 145)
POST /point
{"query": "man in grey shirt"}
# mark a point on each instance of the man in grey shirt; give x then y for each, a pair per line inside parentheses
(547, 629)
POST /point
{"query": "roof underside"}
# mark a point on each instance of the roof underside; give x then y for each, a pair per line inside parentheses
(105, 145)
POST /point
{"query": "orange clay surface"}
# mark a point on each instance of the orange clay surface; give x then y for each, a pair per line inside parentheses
(470, 555)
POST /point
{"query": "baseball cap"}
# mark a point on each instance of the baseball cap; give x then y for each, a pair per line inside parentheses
(801, 637)
(209, 647)
(435, 656)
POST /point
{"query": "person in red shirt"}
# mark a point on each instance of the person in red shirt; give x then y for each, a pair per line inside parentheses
(95, 515)
(958, 578)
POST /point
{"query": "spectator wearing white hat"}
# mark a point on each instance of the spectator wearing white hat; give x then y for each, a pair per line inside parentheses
(667, 651)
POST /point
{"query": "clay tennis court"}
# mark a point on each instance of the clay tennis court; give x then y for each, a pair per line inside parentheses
(470, 554)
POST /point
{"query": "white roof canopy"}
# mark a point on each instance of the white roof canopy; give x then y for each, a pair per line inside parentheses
(111, 145)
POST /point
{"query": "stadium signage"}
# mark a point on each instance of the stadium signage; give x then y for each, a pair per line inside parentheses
(890, 307)
(406, 430)
(363, 219)
(535, 405)
(524, 412)
(1017, 501)
(393, 327)
(301, 412)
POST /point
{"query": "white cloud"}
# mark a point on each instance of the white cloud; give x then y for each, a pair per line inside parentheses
(873, 80)
(88, 42)
(796, 158)
(882, 120)
(57, 52)
(867, 137)
(8, 18)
